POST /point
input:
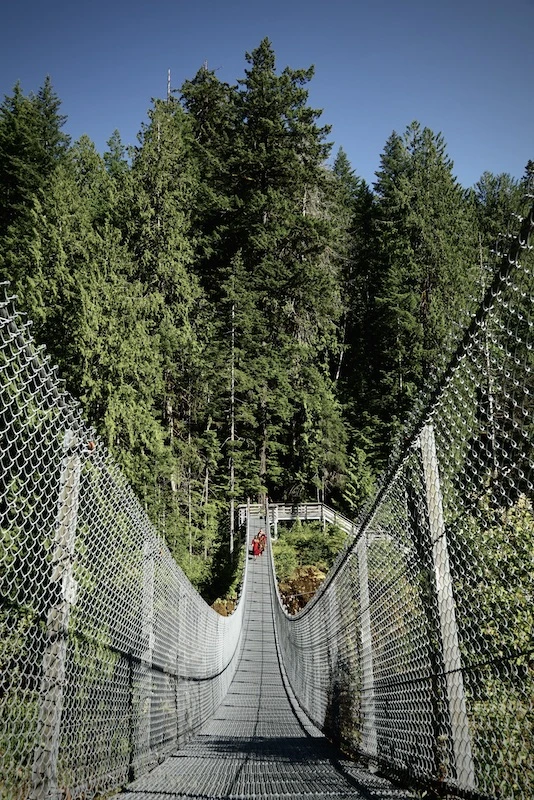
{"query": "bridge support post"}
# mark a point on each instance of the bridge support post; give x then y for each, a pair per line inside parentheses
(461, 741)
(144, 757)
(45, 760)
(369, 739)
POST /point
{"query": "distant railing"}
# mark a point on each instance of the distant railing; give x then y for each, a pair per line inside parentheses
(305, 512)
(312, 512)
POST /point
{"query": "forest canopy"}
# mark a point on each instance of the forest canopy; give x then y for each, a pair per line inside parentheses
(230, 293)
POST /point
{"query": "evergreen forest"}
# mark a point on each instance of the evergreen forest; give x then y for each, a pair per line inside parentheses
(238, 313)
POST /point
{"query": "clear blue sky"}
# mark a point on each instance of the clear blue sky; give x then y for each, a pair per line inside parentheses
(461, 67)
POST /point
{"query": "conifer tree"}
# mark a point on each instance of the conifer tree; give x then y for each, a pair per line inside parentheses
(158, 232)
(428, 260)
(278, 164)
(496, 198)
(115, 157)
(92, 315)
(32, 145)
(353, 211)
(210, 107)
(159, 228)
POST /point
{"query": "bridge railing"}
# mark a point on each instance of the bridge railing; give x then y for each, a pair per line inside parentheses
(291, 512)
(418, 650)
(312, 512)
(108, 657)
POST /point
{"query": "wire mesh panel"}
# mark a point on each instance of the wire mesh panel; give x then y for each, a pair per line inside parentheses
(108, 656)
(418, 650)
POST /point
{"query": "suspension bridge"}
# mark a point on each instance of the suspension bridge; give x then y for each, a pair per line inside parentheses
(410, 671)
(259, 743)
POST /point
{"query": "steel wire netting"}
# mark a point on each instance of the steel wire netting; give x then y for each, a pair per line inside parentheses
(418, 650)
(109, 659)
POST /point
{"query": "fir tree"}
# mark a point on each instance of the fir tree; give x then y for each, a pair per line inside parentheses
(354, 369)
(158, 232)
(278, 164)
(32, 146)
(496, 198)
(428, 260)
(210, 107)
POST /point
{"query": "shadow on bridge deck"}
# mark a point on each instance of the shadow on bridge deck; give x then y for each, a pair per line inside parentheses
(259, 744)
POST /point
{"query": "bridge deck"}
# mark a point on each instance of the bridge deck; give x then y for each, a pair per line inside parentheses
(259, 744)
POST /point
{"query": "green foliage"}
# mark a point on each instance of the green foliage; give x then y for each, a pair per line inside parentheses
(224, 579)
(307, 544)
(31, 146)
(285, 559)
(495, 545)
(504, 737)
(427, 243)
(493, 548)
(360, 482)
(303, 555)
(496, 198)
(217, 295)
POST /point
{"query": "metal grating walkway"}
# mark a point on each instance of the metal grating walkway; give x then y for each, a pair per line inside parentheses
(259, 744)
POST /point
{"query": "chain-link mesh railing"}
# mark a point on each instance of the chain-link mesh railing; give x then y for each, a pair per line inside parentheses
(108, 657)
(418, 651)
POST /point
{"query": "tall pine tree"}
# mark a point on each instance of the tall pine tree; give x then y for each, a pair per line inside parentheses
(279, 179)
(32, 146)
(427, 242)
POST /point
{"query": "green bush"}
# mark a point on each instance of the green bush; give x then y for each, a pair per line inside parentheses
(306, 544)
(285, 559)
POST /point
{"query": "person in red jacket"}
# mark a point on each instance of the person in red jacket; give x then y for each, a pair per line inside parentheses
(256, 550)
